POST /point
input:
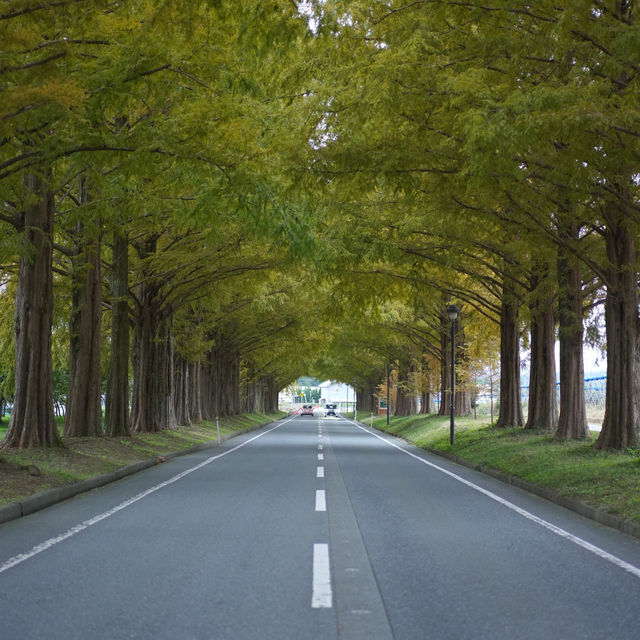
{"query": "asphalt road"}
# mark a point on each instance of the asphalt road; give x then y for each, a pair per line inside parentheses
(314, 528)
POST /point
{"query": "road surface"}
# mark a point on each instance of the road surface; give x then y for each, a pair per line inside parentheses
(314, 528)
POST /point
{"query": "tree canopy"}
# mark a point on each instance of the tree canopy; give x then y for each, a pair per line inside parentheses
(202, 202)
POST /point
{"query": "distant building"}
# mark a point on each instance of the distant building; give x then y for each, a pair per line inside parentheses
(336, 393)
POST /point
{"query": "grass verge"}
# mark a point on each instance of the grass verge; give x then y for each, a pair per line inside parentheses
(25, 472)
(608, 480)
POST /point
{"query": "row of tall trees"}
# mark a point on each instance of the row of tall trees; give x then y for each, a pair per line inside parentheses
(203, 201)
(489, 152)
(139, 184)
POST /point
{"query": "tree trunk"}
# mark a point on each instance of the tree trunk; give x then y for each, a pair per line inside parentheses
(195, 392)
(543, 402)
(182, 395)
(366, 396)
(83, 416)
(153, 401)
(272, 403)
(406, 400)
(117, 405)
(32, 421)
(427, 404)
(143, 415)
(620, 425)
(510, 402)
(222, 379)
(445, 367)
(462, 395)
(572, 422)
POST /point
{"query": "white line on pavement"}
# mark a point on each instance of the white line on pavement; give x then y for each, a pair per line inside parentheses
(321, 456)
(321, 500)
(51, 542)
(601, 553)
(321, 596)
(320, 472)
(319, 447)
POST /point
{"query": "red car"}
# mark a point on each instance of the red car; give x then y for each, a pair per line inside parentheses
(307, 410)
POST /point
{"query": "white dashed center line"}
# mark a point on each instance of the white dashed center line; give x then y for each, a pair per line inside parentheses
(321, 597)
(320, 473)
(321, 500)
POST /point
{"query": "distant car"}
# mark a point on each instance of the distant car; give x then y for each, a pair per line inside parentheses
(330, 409)
(307, 410)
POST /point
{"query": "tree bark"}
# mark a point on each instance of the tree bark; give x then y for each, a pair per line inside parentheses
(144, 361)
(572, 421)
(620, 425)
(195, 392)
(181, 395)
(427, 404)
(153, 400)
(32, 420)
(510, 401)
(117, 405)
(366, 396)
(83, 416)
(462, 395)
(543, 399)
(221, 384)
(406, 399)
(445, 367)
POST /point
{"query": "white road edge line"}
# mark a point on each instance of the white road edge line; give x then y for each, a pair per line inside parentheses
(321, 595)
(51, 542)
(321, 500)
(601, 553)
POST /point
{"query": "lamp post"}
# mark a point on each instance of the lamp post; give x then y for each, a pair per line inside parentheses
(453, 311)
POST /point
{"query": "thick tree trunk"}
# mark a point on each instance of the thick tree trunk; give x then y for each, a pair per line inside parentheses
(462, 395)
(427, 404)
(572, 421)
(117, 405)
(231, 388)
(620, 425)
(208, 398)
(543, 399)
(271, 405)
(445, 367)
(261, 396)
(163, 378)
(195, 392)
(182, 394)
(32, 420)
(153, 401)
(142, 357)
(221, 383)
(366, 396)
(406, 399)
(83, 416)
(510, 402)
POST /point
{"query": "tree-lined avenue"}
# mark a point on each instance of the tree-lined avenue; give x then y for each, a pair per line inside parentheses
(230, 543)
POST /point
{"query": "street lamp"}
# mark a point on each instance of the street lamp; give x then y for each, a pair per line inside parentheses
(453, 312)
